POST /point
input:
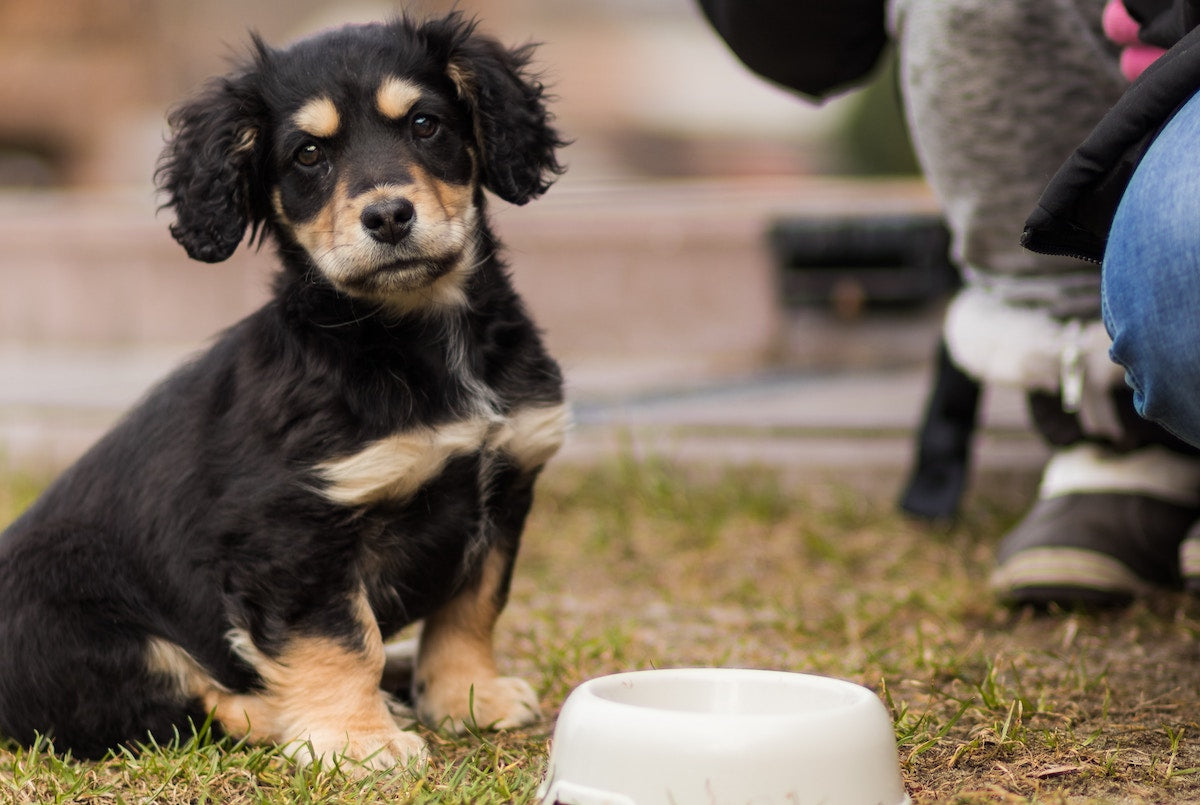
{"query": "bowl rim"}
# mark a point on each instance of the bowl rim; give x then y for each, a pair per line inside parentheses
(855, 695)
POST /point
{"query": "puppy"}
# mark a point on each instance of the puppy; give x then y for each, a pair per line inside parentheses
(357, 455)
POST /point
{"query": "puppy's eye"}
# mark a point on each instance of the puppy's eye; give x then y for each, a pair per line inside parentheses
(424, 126)
(309, 155)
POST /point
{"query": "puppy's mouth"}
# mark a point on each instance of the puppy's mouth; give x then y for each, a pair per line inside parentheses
(432, 267)
(405, 273)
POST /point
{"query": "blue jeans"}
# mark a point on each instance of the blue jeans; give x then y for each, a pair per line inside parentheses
(1151, 278)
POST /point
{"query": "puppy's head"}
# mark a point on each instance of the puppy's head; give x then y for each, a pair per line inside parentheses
(366, 148)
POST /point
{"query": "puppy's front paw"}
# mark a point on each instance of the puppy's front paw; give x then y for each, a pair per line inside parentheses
(389, 749)
(500, 702)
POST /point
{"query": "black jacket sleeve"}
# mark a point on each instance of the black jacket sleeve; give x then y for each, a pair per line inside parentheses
(1164, 22)
(1076, 209)
(816, 47)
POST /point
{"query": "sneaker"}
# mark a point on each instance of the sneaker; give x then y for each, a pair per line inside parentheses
(1095, 549)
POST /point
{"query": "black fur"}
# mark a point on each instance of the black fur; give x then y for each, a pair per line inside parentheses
(202, 511)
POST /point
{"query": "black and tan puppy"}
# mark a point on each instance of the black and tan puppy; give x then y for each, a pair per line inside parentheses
(356, 456)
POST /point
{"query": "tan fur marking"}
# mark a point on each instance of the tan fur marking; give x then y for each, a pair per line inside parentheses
(318, 117)
(396, 466)
(277, 205)
(456, 670)
(462, 78)
(318, 234)
(167, 659)
(395, 97)
(532, 435)
(452, 200)
(443, 229)
(440, 200)
(246, 141)
(446, 292)
(322, 699)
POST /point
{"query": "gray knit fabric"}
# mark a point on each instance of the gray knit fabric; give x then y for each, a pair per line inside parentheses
(998, 93)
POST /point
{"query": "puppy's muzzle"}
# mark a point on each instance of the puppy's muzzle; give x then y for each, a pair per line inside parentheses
(389, 221)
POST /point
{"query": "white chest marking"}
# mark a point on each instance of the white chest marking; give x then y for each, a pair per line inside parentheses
(396, 466)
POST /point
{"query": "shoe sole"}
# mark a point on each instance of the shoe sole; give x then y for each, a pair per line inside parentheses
(1068, 576)
(1189, 564)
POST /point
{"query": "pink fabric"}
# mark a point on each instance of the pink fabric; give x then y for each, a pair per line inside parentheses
(1118, 25)
(1122, 29)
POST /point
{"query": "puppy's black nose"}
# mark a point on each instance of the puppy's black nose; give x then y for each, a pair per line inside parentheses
(389, 221)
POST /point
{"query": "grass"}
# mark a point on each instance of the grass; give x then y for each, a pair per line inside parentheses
(639, 565)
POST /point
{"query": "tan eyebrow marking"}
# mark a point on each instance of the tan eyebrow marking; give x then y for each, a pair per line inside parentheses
(395, 97)
(319, 117)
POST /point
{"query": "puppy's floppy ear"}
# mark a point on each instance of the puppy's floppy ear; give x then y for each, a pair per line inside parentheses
(210, 168)
(516, 142)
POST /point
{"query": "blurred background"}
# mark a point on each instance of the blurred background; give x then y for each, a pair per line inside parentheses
(643, 85)
(673, 255)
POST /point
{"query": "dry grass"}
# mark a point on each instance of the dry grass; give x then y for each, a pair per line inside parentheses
(989, 704)
(643, 565)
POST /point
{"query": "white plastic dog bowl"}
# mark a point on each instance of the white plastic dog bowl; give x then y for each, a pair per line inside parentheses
(722, 735)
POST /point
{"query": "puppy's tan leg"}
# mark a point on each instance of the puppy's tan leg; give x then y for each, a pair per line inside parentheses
(456, 682)
(323, 700)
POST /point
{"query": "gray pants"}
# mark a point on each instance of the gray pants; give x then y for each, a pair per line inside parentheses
(998, 93)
